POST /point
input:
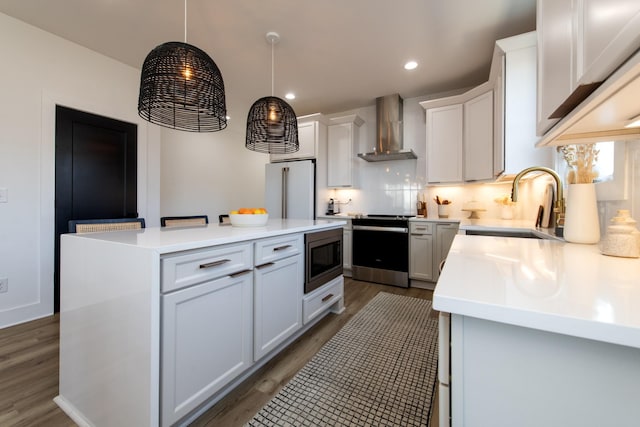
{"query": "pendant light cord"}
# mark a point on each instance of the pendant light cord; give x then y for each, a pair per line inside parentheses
(185, 21)
(272, 67)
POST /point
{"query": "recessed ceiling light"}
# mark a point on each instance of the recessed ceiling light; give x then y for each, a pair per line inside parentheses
(411, 65)
(290, 95)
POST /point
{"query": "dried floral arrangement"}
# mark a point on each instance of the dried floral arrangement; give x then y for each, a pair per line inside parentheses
(505, 200)
(442, 201)
(581, 160)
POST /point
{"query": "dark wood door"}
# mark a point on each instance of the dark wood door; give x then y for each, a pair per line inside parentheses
(96, 173)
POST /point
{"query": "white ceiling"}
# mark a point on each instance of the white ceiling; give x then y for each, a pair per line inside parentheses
(335, 55)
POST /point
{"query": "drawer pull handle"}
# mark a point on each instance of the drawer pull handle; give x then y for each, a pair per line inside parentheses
(268, 264)
(215, 263)
(421, 228)
(280, 248)
(240, 273)
(327, 298)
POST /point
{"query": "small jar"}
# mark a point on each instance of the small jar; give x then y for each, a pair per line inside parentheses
(623, 238)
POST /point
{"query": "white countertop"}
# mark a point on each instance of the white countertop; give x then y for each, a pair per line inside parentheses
(548, 285)
(343, 217)
(173, 239)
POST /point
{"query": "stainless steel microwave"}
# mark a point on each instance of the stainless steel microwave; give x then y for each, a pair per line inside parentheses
(323, 258)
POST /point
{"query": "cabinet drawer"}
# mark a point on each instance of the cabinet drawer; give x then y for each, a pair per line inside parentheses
(270, 250)
(421, 227)
(316, 302)
(179, 271)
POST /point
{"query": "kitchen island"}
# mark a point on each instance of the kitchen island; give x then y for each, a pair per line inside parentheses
(542, 333)
(158, 324)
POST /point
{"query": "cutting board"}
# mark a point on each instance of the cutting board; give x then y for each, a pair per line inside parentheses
(547, 206)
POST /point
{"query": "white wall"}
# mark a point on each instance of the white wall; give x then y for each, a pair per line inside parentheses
(210, 173)
(40, 70)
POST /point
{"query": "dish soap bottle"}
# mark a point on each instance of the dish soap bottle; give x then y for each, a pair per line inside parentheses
(623, 238)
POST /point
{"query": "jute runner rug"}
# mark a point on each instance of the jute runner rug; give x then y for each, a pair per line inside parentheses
(380, 369)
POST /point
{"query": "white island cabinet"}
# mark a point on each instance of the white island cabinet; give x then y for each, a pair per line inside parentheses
(156, 325)
(542, 333)
(278, 298)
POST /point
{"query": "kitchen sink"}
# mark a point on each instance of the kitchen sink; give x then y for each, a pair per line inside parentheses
(505, 233)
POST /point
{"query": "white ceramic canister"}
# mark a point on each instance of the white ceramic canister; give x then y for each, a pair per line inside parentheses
(623, 238)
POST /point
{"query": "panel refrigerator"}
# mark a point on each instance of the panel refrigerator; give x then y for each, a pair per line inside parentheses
(291, 189)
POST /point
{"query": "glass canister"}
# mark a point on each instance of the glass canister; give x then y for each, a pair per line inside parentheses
(623, 238)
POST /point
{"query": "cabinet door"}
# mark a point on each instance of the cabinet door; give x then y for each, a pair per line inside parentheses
(445, 233)
(520, 111)
(608, 32)
(307, 137)
(498, 119)
(421, 257)
(206, 342)
(554, 32)
(278, 290)
(478, 138)
(340, 155)
(444, 144)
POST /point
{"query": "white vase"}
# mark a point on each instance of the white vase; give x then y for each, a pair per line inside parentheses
(506, 212)
(581, 223)
(443, 211)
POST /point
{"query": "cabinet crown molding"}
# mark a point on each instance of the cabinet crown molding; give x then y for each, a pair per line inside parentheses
(315, 117)
(351, 118)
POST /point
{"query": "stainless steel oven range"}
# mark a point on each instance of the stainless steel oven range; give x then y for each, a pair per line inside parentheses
(323, 258)
(381, 249)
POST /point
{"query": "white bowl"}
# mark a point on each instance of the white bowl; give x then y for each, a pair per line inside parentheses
(248, 220)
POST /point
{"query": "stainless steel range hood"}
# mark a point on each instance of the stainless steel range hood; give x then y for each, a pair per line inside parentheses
(388, 132)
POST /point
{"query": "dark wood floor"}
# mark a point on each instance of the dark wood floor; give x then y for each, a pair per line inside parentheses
(29, 367)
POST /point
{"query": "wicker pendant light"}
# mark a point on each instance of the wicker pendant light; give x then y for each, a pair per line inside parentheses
(272, 126)
(182, 88)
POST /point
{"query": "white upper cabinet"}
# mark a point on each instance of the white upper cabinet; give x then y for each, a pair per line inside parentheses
(478, 138)
(554, 33)
(312, 134)
(580, 44)
(460, 137)
(498, 113)
(342, 144)
(444, 144)
(490, 130)
(519, 105)
(608, 32)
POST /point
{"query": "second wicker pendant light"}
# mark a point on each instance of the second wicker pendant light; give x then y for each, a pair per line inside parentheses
(272, 126)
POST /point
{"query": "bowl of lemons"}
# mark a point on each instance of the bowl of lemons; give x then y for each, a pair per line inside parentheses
(249, 217)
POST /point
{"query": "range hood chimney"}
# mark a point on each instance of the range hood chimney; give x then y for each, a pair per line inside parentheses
(388, 132)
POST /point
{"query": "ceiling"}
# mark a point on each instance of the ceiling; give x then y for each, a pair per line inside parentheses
(335, 55)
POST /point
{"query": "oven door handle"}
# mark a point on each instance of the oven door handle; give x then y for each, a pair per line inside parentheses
(375, 228)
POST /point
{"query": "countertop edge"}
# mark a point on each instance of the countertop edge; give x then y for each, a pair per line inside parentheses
(594, 306)
(570, 326)
(207, 236)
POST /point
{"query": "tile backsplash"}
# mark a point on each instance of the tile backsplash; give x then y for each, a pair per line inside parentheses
(389, 187)
(607, 209)
(392, 188)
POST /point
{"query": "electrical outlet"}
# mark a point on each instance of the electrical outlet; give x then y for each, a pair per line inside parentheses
(4, 285)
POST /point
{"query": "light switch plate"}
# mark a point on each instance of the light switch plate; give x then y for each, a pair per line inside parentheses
(4, 195)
